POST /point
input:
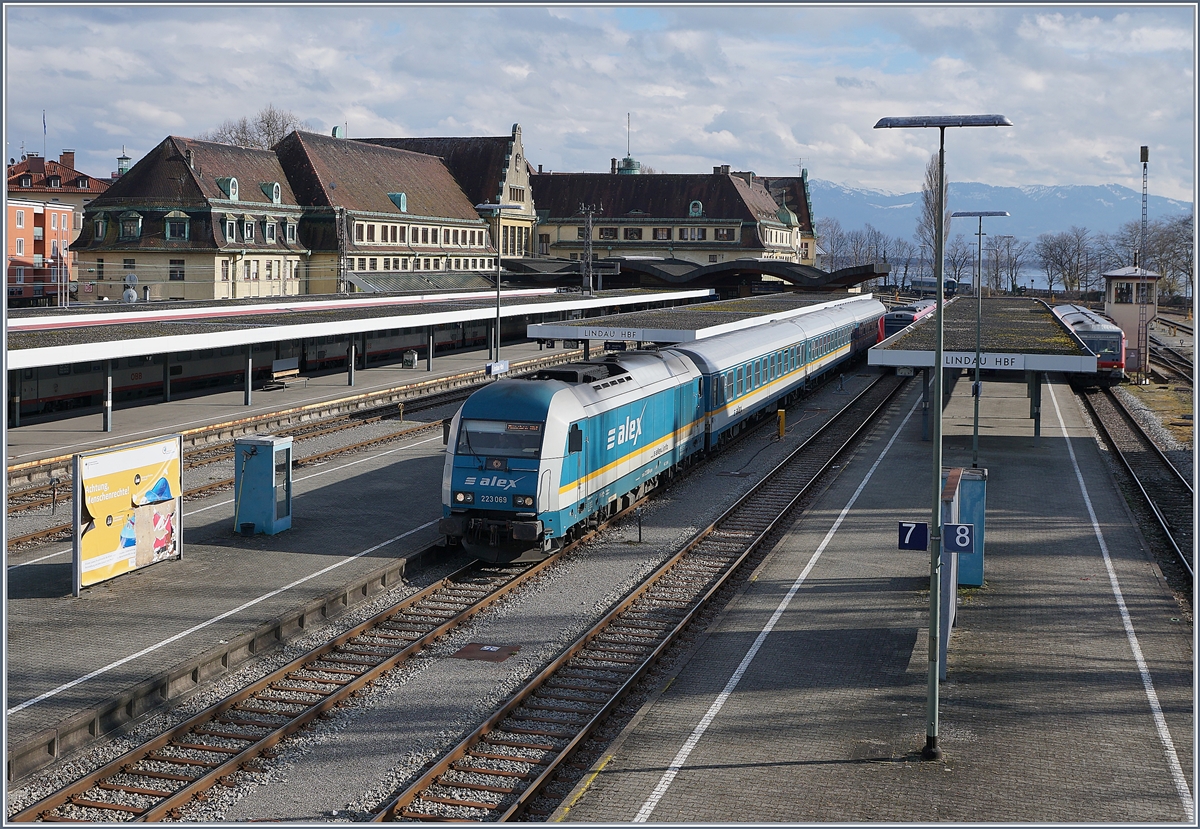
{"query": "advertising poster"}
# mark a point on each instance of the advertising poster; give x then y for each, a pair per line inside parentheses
(129, 509)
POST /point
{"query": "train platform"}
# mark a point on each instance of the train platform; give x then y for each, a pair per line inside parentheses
(78, 667)
(64, 436)
(1069, 689)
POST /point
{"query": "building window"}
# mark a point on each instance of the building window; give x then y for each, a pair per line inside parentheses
(20, 246)
(1123, 292)
(53, 220)
(128, 264)
(270, 275)
(362, 264)
(254, 269)
(246, 271)
(53, 248)
(100, 269)
(82, 183)
(608, 233)
(269, 229)
(633, 234)
(26, 181)
(224, 270)
(712, 257)
(723, 234)
(395, 232)
(358, 232)
(387, 263)
(19, 273)
(581, 233)
(131, 227)
(370, 233)
(662, 234)
(175, 270)
(433, 236)
(54, 181)
(404, 264)
(694, 234)
(516, 194)
(20, 218)
(291, 231)
(544, 244)
(177, 228)
(248, 230)
(373, 263)
(401, 233)
(100, 228)
(230, 231)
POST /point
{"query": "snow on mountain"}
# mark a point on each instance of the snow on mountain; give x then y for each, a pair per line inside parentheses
(1034, 209)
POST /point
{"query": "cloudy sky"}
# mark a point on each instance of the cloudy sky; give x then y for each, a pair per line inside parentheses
(758, 88)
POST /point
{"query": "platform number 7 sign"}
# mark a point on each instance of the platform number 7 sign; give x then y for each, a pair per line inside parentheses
(959, 538)
(914, 535)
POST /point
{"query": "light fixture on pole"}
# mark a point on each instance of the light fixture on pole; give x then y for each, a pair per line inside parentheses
(976, 388)
(495, 209)
(931, 750)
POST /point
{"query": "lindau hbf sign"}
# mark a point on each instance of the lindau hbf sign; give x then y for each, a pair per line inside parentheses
(987, 360)
(959, 359)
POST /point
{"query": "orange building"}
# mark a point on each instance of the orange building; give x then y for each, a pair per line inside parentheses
(39, 252)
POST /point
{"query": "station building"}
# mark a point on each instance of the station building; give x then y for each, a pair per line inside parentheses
(697, 218)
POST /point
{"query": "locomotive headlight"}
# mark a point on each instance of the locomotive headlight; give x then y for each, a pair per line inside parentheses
(464, 497)
(523, 500)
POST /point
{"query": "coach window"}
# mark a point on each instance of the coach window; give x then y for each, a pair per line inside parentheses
(757, 373)
(738, 387)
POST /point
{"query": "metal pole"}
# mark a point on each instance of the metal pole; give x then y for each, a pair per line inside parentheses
(350, 365)
(249, 375)
(167, 377)
(108, 396)
(497, 211)
(429, 352)
(931, 750)
(976, 389)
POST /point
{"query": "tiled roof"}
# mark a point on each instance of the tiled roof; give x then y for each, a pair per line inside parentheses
(477, 163)
(356, 175)
(40, 169)
(792, 192)
(165, 177)
(653, 196)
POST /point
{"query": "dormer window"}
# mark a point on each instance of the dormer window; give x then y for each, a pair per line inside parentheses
(695, 209)
(131, 225)
(400, 200)
(82, 184)
(100, 228)
(175, 226)
(272, 191)
(291, 231)
(248, 230)
(230, 230)
(269, 230)
(54, 181)
(26, 181)
(229, 186)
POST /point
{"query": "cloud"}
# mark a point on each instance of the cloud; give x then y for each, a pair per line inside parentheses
(755, 87)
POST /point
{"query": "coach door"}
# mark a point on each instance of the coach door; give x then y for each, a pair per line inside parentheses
(574, 465)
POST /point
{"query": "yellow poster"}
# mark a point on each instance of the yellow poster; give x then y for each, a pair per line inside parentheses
(130, 506)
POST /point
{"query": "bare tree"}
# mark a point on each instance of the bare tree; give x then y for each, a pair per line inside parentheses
(903, 257)
(927, 222)
(1012, 254)
(261, 131)
(832, 240)
(1054, 255)
(960, 258)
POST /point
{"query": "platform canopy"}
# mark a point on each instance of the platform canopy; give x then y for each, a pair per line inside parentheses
(1017, 334)
(693, 322)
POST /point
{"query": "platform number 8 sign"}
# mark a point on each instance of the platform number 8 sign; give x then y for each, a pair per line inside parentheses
(959, 538)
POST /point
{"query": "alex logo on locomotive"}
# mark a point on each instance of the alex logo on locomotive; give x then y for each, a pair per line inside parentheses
(627, 432)
(496, 481)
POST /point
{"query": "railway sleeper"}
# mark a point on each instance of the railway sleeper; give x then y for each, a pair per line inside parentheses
(477, 787)
(450, 801)
(521, 775)
(485, 755)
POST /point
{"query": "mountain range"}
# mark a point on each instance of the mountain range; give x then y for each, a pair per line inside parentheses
(1033, 209)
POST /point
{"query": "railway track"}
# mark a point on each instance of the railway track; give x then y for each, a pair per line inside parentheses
(1164, 489)
(495, 772)
(154, 780)
(1178, 365)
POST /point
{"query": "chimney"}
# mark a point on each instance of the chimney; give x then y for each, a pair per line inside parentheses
(539, 169)
(67, 158)
(191, 161)
(614, 167)
(716, 171)
(724, 169)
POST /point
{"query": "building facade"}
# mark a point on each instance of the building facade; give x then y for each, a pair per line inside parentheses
(39, 237)
(699, 218)
(490, 170)
(54, 182)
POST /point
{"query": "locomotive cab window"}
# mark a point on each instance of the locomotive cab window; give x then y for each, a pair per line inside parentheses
(500, 439)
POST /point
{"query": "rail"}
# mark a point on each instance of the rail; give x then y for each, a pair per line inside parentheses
(495, 772)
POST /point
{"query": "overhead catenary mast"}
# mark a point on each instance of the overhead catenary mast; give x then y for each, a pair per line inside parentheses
(1143, 333)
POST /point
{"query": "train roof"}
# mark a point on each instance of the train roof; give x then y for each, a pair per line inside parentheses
(1081, 318)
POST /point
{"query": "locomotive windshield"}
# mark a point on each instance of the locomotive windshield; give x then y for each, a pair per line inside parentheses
(1102, 346)
(500, 439)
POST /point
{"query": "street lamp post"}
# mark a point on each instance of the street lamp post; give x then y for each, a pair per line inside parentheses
(495, 209)
(976, 388)
(931, 751)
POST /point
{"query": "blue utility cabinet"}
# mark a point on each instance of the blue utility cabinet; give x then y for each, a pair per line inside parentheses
(262, 484)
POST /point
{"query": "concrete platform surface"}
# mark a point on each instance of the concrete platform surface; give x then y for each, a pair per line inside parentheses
(1069, 695)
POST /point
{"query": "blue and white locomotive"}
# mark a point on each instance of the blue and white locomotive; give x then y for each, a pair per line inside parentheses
(531, 462)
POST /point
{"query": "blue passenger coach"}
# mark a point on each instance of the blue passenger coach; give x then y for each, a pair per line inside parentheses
(530, 462)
